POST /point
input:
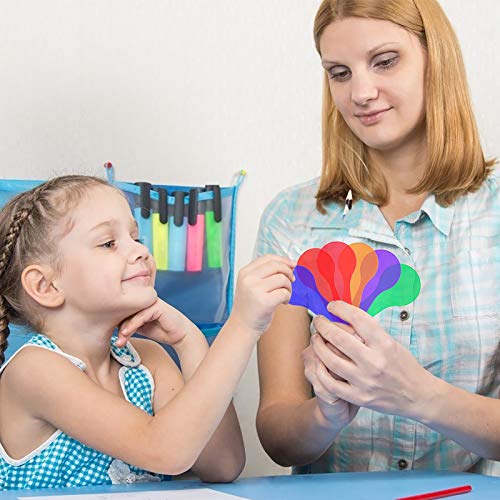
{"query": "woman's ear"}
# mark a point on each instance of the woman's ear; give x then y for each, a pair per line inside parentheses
(38, 283)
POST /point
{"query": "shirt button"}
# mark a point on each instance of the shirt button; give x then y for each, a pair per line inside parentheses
(404, 315)
(402, 464)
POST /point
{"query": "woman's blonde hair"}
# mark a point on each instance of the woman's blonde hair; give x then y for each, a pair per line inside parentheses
(455, 161)
(27, 234)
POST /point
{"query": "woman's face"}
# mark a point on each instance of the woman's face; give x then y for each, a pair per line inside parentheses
(377, 73)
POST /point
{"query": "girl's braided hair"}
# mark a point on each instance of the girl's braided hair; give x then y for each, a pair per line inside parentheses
(27, 227)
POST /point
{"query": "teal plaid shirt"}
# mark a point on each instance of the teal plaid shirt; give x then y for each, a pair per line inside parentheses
(452, 328)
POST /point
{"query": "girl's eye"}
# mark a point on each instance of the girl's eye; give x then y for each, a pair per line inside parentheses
(139, 240)
(108, 244)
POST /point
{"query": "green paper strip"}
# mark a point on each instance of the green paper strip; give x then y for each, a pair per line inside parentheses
(214, 240)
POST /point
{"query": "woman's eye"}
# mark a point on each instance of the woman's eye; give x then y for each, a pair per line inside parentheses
(339, 76)
(387, 63)
(108, 244)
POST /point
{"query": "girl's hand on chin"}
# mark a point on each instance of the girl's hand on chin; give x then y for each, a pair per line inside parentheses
(159, 321)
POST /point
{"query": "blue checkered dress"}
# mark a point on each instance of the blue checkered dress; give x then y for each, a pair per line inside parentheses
(62, 461)
(452, 328)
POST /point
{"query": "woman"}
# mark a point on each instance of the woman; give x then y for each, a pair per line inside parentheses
(415, 387)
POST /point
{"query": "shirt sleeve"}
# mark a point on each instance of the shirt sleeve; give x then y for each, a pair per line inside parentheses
(276, 233)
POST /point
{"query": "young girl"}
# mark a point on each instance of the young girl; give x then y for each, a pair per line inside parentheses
(420, 390)
(80, 407)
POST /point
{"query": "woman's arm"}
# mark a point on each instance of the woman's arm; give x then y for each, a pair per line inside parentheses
(472, 420)
(382, 375)
(294, 427)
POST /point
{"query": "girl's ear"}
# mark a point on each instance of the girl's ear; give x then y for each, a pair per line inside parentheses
(38, 283)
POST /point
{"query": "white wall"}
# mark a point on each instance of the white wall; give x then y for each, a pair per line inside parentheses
(188, 92)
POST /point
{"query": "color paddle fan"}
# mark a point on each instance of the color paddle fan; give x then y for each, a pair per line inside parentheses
(372, 280)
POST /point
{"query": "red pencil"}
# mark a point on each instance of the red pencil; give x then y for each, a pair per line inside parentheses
(440, 494)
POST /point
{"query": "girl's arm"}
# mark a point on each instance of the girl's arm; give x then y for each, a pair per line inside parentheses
(223, 458)
(294, 427)
(382, 375)
(54, 391)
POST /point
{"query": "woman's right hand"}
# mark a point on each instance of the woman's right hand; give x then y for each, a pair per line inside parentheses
(335, 410)
(262, 285)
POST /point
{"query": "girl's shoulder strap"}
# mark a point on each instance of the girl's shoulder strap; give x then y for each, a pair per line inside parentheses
(126, 355)
(39, 340)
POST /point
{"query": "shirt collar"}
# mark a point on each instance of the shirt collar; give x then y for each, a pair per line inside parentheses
(366, 218)
(441, 217)
(334, 217)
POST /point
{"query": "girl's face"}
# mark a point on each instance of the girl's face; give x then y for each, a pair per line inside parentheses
(105, 271)
(377, 75)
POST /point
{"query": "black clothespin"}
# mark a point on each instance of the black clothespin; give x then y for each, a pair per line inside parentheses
(162, 204)
(217, 203)
(179, 207)
(193, 206)
(144, 198)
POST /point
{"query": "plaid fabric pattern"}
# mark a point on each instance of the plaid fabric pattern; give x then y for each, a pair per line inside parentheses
(62, 461)
(452, 328)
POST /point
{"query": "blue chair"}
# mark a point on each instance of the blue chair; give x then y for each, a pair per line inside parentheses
(18, 336)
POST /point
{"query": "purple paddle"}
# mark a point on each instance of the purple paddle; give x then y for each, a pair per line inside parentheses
(387, 275)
